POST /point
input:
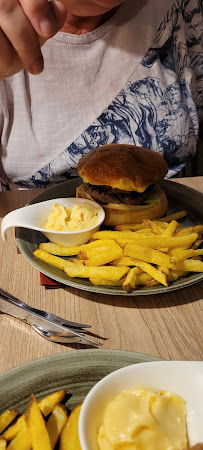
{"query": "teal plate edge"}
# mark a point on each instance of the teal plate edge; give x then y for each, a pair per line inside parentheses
(77, 371)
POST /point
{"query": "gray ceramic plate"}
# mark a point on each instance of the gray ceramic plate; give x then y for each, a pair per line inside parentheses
(179, 197)
(77, 371)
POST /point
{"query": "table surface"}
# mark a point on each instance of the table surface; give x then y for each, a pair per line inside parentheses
(165, 325)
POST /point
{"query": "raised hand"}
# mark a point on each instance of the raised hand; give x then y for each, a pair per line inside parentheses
(24, 27)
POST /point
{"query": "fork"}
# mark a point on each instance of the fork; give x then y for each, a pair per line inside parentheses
(51, 327)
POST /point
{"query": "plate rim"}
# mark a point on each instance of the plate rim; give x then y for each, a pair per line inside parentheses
(77, 371)
(74, 353)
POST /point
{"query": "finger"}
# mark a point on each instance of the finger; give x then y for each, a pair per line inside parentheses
(23, 37)
(46, 17)
(7, 53)
(9, 61)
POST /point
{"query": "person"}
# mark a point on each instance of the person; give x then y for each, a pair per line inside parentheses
(76, 75)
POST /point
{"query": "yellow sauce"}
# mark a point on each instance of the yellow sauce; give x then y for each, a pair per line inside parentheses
(144, 418)
(79, 217)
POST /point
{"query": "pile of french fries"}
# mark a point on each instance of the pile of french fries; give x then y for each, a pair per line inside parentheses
(45, 425)
(153, 252)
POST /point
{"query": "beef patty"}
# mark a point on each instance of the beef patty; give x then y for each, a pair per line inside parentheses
(107, 194)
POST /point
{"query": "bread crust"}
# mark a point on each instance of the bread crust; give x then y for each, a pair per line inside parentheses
(121, 166)
(131, 214)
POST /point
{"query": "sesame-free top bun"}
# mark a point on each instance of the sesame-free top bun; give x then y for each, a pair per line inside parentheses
(122, 166)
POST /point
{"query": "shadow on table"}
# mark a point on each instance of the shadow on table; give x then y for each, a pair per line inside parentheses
(182, 296)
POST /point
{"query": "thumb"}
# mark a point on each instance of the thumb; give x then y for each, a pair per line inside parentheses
(59, 13)
(48, 20)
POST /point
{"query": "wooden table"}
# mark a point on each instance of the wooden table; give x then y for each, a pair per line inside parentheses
(165, 325)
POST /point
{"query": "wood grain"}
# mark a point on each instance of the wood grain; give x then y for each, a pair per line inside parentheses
(165, 325)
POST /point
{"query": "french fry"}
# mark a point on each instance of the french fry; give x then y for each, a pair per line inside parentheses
(3, 444)
(103, 282)
(69, 439)
(188, 230)
(148, 241)
(106, 234)
(176, 216)
(161, 224)
(122, 242)
(145, 231)
(6, 418)
(97, 243)
(175, 274)
(108, 245)
(143, 278)
(197, 243)
(124, 261)
(163, 249)
(154, 226)
(152, 282)
(60, 250)
(56, 423)
(48, 403)
(147, 254)
(170, 242)
(137, 227)
(176, 251)
(14, 429)
(37, 429)
(55, 261)
(100, 254)
(163, 269)
(153, 272)
(82, 256)
(22, 440)
(130, 280)
(185, 254)
(129, 226)
(189, 265)
(76, 261)
(104, 257)
(170, 230)
(105, 272)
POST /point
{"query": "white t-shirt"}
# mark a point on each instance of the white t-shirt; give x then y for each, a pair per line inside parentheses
(137, 79)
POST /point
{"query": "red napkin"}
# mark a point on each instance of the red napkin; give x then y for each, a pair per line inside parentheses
(48, 283)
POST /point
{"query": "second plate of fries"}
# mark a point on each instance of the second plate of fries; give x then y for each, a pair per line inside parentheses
(152, 257)
(40, 400)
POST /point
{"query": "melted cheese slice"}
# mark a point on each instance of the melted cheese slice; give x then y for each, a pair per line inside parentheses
(144, 419)
(148, 203)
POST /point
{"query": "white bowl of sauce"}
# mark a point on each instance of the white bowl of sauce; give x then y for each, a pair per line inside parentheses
(151, 406)
(64, 221)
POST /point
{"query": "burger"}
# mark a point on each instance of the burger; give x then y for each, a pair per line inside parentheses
(123, 180)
